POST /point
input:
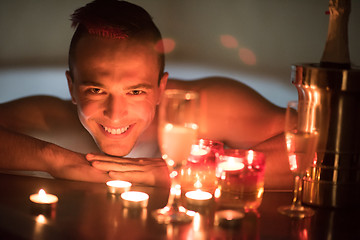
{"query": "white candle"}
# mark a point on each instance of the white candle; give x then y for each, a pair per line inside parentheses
(134, 199)
(196, 150)
(118, 186)
(232, 164)
(43, 198)
(198, 153)
(198, 197)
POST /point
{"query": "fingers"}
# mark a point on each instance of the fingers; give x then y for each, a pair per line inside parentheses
(108, 163)
(105, 158)
(100, 157)
(92, 157)
(117, 166)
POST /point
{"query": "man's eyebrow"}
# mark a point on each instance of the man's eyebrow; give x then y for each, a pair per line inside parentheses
(91, 83)
(136, 86)
(140, 85)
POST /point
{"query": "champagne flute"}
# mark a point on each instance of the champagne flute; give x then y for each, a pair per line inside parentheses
(301, 135)
(177, 132)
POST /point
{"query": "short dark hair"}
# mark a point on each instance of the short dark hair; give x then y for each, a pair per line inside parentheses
(117, 20)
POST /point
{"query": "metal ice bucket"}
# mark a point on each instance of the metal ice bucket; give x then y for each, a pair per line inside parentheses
(335, 180)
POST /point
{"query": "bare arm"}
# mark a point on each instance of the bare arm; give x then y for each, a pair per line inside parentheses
(277, 171)
(19, 150)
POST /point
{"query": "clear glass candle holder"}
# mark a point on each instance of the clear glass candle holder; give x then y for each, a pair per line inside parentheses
(199, 171)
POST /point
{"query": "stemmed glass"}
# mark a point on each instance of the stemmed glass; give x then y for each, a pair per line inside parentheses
(301, 135)
(177, 132)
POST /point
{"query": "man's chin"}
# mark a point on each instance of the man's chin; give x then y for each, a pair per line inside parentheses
(116, 153)
(115, 147)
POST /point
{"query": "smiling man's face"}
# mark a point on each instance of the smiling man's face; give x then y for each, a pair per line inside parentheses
(116, 88)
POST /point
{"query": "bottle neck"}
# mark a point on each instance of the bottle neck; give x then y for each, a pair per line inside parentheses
(336, 52)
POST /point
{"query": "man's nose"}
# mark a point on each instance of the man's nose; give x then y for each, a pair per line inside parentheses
(116, 107)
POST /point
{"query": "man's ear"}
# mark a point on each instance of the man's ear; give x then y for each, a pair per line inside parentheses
(162, 86)
(70, 86)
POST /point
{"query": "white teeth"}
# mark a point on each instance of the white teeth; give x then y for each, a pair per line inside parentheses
(116, 130)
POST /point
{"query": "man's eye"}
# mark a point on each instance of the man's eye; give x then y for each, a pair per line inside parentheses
(96, 91)
(136, 92)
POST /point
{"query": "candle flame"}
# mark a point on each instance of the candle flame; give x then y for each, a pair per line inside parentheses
(197, 184)
(42, 193)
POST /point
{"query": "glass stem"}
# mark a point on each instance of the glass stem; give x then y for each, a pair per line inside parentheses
(175, 194)
(297, 192)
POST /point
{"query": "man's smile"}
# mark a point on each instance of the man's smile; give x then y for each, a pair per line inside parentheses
(115, 131)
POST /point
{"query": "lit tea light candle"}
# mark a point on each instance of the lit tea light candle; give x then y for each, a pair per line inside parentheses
(198, 197)
(196, 150)
(43, 198)
(231, 164)
(228, 218)
(43, 202)
(197, 154)
(118, 186)
(134, 199)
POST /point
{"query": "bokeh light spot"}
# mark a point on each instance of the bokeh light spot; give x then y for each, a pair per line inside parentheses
(247, 56)
(166, 45)
(229, 41)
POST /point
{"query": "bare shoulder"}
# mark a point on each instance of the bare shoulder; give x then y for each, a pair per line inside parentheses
(36, 112)
(47, 118)
(233, 112)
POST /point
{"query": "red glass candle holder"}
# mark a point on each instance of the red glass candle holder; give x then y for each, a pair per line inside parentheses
(240, 179)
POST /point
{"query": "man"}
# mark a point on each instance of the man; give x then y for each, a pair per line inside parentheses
(116, 79)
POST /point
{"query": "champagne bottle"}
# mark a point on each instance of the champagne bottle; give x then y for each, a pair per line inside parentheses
(336, 52)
